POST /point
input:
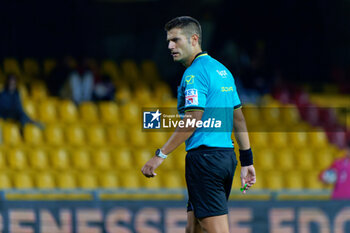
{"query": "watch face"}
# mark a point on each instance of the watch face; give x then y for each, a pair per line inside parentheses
(157, 151)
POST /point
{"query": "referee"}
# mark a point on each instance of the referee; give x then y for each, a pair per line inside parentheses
(207, 90)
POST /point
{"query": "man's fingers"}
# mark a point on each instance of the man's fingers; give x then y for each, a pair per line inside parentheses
(252, 180)
(146, 171)
(242, 182)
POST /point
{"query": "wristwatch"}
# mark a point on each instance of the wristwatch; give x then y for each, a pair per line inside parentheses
(160, 154)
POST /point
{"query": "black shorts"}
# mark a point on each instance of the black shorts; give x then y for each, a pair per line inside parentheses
(209, 176)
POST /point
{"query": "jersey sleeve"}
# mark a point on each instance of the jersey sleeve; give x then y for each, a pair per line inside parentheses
(195, 90)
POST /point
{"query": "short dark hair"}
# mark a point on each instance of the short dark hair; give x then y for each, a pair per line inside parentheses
(189, 25)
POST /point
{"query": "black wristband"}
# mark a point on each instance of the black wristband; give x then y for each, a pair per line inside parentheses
(246, 157)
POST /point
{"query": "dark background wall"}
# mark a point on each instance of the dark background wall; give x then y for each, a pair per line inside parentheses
(302, 40)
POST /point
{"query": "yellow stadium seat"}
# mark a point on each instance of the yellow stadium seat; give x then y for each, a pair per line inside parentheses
(47, 111)
(17, 159)
(29, 108)
(31, 68)
(101, 159)
(109, 112)
(274, 180)
(268, 100)
(251, 114)
(23, 92)
(60, 159)
(54, 135)
(5, 182)
(109, 67)
(117, 135)
(318, 139)
(66, 181)
(80, 159)
(298, 139)
(45, 181)
(170, 106)
(11, 66)
(153, 183)
(259, 184)
(123, 94)
(38, 159)
(96, 135)
(11, 134)
(136, 137)
(88, 112)
(38, 90)
(304, 159)
(163, 92)
(33, 135)
(324, 158)
(108, 180)
(285, 159)
(294, 180)
(87, 181)
(130, 179)
(141, 156)
(49, 65)
(23, 181)
(130, 70)
(270, 114)
(172, 180)
(290, 114)
(130, 113)
(258, 139)
(68, 111)
(149, 71)
(75, 135)
(278, 139)
(3, 164)
(169, 164)
(312, 181)
(179, 157)
(157, 139)
(143, 95)
(123, 159)
(265, 159)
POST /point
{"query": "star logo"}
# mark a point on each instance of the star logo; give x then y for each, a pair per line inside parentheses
(156, 115)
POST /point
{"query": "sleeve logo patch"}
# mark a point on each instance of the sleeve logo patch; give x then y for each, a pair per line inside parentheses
(222, 73)
(189, 79)
(191, 97)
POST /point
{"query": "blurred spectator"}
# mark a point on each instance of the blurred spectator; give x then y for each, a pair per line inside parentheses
(339, 175)
(104, 89)
(11, 105)
(58, 77)
(81, 83)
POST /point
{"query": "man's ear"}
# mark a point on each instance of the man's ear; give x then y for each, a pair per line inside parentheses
(195, 39)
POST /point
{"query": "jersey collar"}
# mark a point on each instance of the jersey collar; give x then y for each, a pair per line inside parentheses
(201, 54)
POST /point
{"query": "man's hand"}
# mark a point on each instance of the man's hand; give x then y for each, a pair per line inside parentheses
(151, 165)
(247, 177)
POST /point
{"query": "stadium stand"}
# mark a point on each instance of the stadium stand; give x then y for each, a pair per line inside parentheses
(100, 145)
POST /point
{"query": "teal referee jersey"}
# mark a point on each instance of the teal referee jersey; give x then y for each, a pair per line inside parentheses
(209, 86)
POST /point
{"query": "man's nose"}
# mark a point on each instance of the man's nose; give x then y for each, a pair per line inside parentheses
(171, 45)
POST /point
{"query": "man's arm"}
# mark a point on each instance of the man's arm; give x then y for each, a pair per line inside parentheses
(240, 130)
(179, 136)
(241, 134)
